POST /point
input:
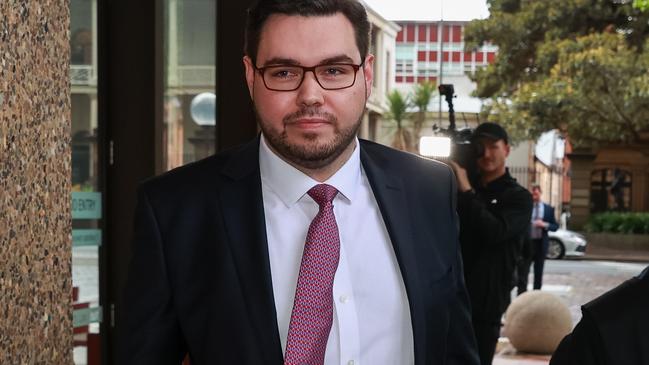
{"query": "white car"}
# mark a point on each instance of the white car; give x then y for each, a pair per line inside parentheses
(565, 243)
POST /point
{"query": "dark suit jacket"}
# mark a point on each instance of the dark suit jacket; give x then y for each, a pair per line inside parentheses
(200, 281)
(614, 329)
(528, 252)
(548, 216)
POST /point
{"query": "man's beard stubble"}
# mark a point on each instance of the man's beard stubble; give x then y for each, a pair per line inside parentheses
(314, 154)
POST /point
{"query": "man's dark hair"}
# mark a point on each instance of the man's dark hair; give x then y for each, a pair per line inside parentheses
(537, 187)
(259, 12)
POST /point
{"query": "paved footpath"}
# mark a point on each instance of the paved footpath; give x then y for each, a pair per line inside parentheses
(576, 287)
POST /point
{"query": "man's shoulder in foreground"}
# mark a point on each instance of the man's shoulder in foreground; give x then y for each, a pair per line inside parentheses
(632, 295)
(614, 328)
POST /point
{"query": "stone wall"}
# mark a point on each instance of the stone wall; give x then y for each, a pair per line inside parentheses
(618, 241)
(582, 166)
(35, 224)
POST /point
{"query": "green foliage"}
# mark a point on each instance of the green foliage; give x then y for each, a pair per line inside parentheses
(398, 106)
(597, 92)
(641, 4)
(421, 95)
(616, 222)
(576, 65)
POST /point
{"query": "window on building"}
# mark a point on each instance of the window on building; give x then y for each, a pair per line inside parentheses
(405, 66)
(610, 190)
(410, 33)
(457, 34)
(446, 33)
(422, 69)
(421, 34)
(406, 52)
(432, 34)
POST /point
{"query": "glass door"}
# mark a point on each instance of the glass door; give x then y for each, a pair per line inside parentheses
(86, 183)
(189, 116)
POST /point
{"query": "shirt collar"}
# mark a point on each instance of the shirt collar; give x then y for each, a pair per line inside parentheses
(291, 184)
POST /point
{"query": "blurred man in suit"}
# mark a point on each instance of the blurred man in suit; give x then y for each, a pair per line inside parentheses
(536, 248)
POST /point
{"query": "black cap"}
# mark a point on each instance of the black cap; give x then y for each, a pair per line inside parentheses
(490, 130)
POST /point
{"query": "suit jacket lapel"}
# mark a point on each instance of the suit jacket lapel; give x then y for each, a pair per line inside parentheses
(241, 204)
(389, 192)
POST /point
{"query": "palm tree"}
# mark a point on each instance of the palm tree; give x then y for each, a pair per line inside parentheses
(398, 105)
(421, 98)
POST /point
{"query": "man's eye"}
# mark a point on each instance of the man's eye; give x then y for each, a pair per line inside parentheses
(283, 73)
(334, 71)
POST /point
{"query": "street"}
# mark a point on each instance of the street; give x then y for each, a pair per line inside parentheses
(576, 282)
(579, 281)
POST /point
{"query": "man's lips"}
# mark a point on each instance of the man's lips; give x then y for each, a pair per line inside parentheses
(309, 123)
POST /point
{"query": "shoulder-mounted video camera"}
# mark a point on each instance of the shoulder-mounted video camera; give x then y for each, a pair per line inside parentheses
(464, 151)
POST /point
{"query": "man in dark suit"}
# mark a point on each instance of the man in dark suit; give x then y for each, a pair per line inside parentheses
(307, 245)
(614, 328)
(536, 249)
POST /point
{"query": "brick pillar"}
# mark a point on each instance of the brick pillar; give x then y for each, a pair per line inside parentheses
(582, 164)
(35, 223)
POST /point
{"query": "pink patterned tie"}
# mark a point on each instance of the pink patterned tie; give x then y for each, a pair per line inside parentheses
(312, 313)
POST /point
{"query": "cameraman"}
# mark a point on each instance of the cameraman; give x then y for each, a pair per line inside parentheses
(494, 213)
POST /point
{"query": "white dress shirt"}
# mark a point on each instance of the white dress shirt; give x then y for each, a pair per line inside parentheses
(537, 213)
(371, 323)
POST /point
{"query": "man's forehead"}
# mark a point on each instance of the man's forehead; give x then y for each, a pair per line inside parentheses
(307, 39)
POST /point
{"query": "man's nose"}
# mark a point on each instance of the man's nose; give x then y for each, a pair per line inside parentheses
(310, 92)
(486, 153)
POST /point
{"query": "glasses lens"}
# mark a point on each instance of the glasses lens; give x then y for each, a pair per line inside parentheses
(283, 77)
(335, 76)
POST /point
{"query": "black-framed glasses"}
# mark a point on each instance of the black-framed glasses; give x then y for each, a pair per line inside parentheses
(332, 76)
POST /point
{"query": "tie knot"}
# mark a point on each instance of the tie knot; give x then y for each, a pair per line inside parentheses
(323, 194)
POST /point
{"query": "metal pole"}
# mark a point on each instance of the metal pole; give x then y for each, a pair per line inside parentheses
(552, 168)
(440, 36)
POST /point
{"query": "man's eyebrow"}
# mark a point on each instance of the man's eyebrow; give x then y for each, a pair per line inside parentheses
(280, 61)
(337, 59)
(293, 62)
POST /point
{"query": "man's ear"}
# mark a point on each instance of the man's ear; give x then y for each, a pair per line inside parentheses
(250, 74)
(507, 149)
(368, 72)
